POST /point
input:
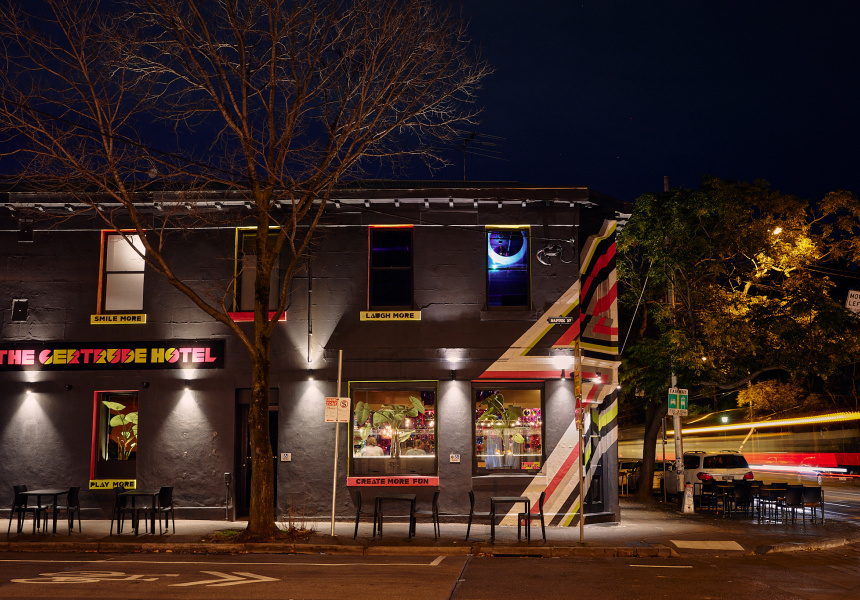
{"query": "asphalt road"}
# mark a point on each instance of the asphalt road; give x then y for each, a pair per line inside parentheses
(817, 575)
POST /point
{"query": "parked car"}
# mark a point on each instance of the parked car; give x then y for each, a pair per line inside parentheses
(701, 467)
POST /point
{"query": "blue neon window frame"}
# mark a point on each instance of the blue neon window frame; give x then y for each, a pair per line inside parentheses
(508, 280)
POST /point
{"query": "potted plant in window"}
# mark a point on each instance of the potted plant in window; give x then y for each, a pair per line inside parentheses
(394, 415)
(504, 421)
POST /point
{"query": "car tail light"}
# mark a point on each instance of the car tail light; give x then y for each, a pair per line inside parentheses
(705, 476)
(749, 475)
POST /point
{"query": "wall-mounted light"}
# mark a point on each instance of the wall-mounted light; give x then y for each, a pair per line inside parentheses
(28, 391)
(562, 374)
(310, 375)
(500, 205)
(450, 203)
(475, 203)
(453, 374)
(367, 204)
(219, 205)
(396, 203)
(68, 387)
(144, 384)
(524, 203)
(187, 385)
(426, 203)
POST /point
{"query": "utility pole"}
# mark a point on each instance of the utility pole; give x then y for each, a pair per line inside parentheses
(676, 419)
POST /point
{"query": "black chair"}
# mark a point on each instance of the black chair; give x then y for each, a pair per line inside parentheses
(121, 509)
(742, 498)
(529, 517)
(165, 507)
(432, 514)
(359, 512)
(21, 508)
(793, 501)
(473, 514)
(813, 498)
(708, 496)
(71, 507)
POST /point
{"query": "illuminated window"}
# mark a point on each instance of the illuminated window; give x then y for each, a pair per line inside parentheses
(508, 430)
(390, 266)
(246, 270)
(508, 268)
(393, 430)
(115, 436)
(122, 272)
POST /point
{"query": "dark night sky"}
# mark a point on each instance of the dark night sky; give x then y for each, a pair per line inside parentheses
(615, 94)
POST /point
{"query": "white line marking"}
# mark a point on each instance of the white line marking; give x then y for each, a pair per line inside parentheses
(708, 545)
(664, 566)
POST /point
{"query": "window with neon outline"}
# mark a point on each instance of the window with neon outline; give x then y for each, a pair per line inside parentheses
(509, 430)
(508, 268)
(393, 431)
(390, 266)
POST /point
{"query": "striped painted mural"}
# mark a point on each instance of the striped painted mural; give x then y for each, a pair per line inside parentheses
(541, 353)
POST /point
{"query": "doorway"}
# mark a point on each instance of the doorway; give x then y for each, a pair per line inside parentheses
(242, 491)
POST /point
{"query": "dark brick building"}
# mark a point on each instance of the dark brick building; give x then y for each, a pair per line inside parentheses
(437, 300)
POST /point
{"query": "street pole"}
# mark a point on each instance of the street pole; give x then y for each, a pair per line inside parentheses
(579, 416)
(676, 419)
(336, 445)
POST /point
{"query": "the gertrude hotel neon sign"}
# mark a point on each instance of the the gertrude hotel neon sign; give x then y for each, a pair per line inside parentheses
(69, 356)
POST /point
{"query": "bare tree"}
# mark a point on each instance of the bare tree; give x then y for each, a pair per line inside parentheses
(278, 100)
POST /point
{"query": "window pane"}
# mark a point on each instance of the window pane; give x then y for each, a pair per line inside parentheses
(247, 270)
(393, 432)
(121, 256)
(116, 435)
(391, 288)
(124, 291)
(508, 268)
(391, 248)
(508, 430)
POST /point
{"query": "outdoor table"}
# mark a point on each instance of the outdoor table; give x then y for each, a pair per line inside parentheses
(494, 500)
(383, 497)
(153, 497)
(55, 493)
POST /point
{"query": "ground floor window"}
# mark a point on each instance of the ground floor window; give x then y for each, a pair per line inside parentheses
(508, 430)
(115, 435)
(393, 428)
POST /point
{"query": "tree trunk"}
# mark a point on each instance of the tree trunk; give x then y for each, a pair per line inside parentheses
(261, 518)
(654, 414)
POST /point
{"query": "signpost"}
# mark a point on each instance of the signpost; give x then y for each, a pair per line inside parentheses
(337, 412)
(678, 402)
(577, 392)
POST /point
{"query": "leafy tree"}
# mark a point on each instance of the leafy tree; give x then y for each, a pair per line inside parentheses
(276, 101)
(743, 263)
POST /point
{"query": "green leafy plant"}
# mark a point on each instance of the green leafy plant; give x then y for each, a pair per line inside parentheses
(393, 415)
(502, 418)
(123, 429)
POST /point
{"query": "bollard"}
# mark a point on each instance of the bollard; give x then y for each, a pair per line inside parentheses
(688, 499)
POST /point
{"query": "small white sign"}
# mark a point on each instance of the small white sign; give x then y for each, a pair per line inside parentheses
(337, 409)
(853, 301)
(455, 458)
(286, 457)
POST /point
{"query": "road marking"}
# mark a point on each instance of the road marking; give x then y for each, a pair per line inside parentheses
(237, 578)
(434, 563)
(708, 545)
(664, 566)
(437, 562)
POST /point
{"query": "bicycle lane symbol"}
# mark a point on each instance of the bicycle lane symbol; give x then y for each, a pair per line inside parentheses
(72, 577)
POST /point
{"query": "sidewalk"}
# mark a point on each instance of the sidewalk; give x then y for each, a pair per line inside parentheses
(645, 530)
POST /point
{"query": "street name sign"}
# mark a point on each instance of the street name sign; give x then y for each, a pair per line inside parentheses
(853, 301)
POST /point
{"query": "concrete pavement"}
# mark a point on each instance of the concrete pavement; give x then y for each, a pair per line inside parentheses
(646, 529)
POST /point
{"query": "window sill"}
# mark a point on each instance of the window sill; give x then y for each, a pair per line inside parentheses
(509, 315)
(248, 316)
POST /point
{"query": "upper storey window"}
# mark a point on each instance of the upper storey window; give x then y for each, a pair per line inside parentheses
(390, 267)
(508, 268)
(122, 272)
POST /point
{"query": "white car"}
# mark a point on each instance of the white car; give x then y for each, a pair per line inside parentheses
(700, 467)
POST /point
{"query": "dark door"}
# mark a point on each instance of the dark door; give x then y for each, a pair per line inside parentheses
(243, 449)
(594, 494)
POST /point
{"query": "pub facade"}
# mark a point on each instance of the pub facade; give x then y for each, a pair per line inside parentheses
(458, 319)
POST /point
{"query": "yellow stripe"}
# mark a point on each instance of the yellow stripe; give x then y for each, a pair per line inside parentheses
(586, 264)
(608, 416)
(568, 518)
